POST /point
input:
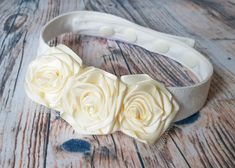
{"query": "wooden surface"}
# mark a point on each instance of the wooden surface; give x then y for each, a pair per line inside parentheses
(34, 136)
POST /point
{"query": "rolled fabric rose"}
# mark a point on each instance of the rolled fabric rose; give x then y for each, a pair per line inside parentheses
(48, 74)
(92, 101)
(148, 108)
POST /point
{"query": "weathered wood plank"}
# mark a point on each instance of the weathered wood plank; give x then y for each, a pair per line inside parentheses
(206, 26)
(33, 136)
(24, 125)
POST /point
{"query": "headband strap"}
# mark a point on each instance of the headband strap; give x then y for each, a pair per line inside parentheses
(190, 98)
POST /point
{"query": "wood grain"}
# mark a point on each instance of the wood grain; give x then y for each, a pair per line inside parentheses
(34, 136)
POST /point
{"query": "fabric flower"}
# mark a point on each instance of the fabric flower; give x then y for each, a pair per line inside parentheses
(92, 101)
(48, 74)
(148, 108)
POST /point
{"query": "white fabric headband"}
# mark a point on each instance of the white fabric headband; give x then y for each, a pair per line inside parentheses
(190, 98)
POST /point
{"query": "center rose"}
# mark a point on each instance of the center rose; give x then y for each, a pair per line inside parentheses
(92, 101)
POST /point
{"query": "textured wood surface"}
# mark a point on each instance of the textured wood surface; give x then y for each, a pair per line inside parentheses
(34, 136)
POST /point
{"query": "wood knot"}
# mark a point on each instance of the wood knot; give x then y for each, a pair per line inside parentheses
(14, 22)
(76, 145)
(105, 152)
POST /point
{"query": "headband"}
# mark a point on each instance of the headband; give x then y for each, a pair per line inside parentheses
(94, 101)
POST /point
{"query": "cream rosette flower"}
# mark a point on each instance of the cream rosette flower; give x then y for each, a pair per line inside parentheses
(92, 101)
(48, 74)
(148, 108)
